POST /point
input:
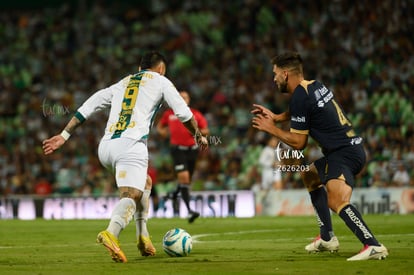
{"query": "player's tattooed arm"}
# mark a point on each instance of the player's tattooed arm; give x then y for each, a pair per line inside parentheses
(52, 144)
(72, 125)
(192, 126)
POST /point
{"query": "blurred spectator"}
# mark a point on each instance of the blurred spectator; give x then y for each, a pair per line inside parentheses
(401, 178)
(232, 174)
(376, 181)
(271, 173)
(43, 187)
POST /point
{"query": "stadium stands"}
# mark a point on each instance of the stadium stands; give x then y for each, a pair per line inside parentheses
(54, 57)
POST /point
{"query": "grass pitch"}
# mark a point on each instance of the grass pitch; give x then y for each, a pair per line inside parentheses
(260, 245)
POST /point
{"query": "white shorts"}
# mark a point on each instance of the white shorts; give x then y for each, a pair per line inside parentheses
(127, 159)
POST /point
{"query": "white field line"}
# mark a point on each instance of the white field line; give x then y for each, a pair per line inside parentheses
(196, 239)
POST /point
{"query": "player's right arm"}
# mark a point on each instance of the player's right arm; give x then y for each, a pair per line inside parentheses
(98, 101)
(261, 110)
(52, 144)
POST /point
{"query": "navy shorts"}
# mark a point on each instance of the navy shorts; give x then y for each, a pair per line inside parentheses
(343, 163)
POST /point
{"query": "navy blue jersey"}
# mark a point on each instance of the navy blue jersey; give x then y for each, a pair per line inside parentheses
(314, 112)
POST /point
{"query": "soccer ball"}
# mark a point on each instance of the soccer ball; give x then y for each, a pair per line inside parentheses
(177, 243)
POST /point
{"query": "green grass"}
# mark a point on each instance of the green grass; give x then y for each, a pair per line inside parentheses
(260, 245)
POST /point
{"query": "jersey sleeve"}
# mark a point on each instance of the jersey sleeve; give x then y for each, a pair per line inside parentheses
(98, 101)
(175, 101)
(299, 111)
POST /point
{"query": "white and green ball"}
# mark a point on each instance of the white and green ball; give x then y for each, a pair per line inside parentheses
(177, 242)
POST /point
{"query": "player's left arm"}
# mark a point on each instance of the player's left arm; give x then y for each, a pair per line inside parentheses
(183, 112)
(294, 140)
(202, 123)
(297, 137)
(200, 139)
(205, 131)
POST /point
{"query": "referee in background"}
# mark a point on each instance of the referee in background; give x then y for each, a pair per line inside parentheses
(184, 152)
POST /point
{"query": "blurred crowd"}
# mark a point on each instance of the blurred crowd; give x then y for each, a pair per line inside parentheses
(53, 58)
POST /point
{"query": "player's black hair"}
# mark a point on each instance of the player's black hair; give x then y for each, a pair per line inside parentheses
(291, 60)
(151, 59)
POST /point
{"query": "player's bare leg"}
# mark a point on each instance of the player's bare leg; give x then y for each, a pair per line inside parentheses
(144, 243)
(120, 218)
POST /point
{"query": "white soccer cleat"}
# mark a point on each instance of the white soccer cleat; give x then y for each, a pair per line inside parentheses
(370, 252)
(319, 245)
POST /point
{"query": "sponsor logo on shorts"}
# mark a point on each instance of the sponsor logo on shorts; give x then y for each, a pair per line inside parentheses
(356, 140)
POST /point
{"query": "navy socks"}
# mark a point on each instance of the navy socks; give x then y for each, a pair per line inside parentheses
(354, 221)
(319, 200)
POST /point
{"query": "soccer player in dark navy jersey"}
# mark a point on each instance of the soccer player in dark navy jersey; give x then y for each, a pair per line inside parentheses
(314, 112)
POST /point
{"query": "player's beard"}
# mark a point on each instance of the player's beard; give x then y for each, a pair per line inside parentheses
(283, 87)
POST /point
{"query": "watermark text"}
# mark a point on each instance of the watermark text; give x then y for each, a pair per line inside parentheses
(54, 109)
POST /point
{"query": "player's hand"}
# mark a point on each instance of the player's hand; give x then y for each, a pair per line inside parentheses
(202, 142)
(261, 110)
(263, 122)
(52, 144)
